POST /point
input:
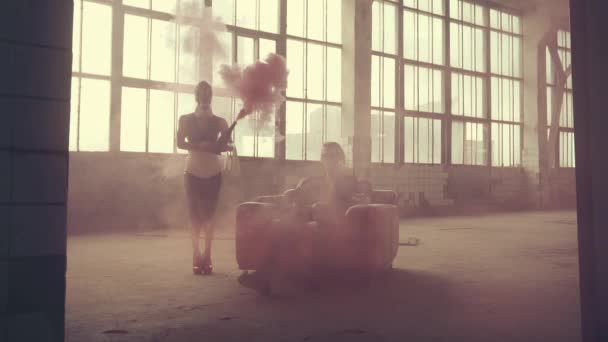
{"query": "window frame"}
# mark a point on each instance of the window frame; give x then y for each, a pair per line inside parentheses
(447, 117)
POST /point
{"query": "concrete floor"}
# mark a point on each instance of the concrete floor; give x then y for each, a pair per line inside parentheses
(507, 277)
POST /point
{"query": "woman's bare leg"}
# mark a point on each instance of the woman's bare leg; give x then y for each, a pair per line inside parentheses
(196, 252)
(208, 228)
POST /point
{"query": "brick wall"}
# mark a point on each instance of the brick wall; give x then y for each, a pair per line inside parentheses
(35, 69)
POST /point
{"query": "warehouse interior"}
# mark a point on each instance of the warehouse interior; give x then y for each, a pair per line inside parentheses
(464, 108)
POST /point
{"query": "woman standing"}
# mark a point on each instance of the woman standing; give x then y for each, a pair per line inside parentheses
(198, 133)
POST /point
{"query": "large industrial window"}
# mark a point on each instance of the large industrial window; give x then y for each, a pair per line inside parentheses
(506, 90)
(252, 34)
(132, 103)
(408, 64)
(470, 128)
(423, 84)
(384, 80)
(314, 59)
(557, 86)
(159, 69)
(456, 85)
(91, 72)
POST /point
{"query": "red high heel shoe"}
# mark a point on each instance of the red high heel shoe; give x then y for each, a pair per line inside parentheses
(197, 265)
(206, 266)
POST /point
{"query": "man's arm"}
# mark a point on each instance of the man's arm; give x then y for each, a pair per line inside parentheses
(183, 144)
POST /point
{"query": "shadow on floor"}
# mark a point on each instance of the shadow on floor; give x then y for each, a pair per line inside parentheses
(412, 304)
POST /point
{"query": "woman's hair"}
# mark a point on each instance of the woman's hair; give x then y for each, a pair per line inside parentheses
(205, 87)
(334, 147)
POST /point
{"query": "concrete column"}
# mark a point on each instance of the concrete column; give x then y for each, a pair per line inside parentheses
(589, 27)
(35, 69)
(535, 26)
(356, 82)
(538, 23)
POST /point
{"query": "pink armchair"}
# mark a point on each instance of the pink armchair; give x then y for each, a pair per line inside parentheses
(365, 239)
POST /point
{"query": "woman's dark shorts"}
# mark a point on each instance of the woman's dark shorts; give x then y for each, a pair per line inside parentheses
(203, 194)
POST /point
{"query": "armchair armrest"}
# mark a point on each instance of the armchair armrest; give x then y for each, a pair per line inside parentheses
(376, 227)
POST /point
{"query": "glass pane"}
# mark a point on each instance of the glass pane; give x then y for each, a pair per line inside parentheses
(133, 120)
(314, 130)
(96, 38)
(377, 23)
(334, 21)
(494, 19)
(314, 71)
(409, 88)
(423, 89)
(94, 115)
(389, 137)
(383, 137)
(266, 140)
(76, 36)
(135, 50)
(437, 41)
(294, 131)
(246, 13)
(266, 47)
(425, 144)
(516, 24)
(409, 35)
(376, 134)
(244, 137)
(295, 64)
(225, 39)
(167, 6)
(409, 139)
(315, 18)
(334, 123)
(189, 55)
(73, 145)
(424, 31)
(295, 17)
(163, 51)
(269, 16)
(437, 142)
(467, 95)
(376, 86)
(334, 74)
(224, 10)
(388, 85)
(161, 121)
(245, 54)
(457, 142)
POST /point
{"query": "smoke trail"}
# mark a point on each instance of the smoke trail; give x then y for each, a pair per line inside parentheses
(207, 39)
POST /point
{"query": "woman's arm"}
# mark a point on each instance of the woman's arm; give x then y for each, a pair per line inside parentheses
(223, 129)
(183, 144)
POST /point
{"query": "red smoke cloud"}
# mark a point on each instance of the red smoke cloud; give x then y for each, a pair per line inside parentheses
(258, 85)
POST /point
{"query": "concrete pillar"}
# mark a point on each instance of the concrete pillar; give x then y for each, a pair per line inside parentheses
(589, 27)
(356, 82)
(35, 71)
(538, 23)
(535, 26)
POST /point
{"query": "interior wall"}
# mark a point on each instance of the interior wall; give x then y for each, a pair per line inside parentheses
(111, 192)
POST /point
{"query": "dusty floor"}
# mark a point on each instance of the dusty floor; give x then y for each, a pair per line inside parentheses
(493, 278)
